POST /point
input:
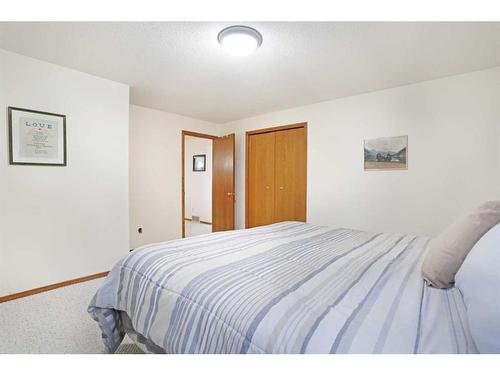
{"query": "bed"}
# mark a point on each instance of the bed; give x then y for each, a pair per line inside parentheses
(284, 288)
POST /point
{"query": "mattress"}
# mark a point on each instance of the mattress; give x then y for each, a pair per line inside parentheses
(284, 288)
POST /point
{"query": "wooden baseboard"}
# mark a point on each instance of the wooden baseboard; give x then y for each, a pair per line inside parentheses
(46, 288)
(201, 221)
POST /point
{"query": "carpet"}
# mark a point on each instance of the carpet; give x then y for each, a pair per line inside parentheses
(55, 322)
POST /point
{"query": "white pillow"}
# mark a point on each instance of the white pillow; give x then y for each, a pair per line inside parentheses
(479, 281)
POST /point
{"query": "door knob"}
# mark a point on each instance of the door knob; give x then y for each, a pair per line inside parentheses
(229, 194)
(281, 187)
(267, 187)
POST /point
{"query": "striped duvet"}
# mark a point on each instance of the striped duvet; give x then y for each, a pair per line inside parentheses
(284, 288)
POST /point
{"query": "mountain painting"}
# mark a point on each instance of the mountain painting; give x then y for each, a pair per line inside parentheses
(386, 153)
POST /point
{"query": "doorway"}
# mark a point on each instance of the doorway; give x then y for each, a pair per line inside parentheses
(207, 183)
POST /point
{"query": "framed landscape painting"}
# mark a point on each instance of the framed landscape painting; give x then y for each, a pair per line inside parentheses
(386, 153)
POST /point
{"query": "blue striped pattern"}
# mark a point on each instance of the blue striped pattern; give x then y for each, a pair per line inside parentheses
(284, 288)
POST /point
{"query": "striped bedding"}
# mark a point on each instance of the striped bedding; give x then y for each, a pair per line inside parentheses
(284, 288)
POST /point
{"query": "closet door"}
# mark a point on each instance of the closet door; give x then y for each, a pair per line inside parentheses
(260, 179)
(291, 175)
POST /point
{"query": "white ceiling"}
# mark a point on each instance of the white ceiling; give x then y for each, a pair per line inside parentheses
(179, 66)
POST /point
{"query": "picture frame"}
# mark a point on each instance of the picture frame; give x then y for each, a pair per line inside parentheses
(36, 137)
(386, 153)
(199, 163)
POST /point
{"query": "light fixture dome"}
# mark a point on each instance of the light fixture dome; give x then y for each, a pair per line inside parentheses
(239, 40)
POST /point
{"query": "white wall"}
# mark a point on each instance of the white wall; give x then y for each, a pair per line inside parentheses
(60, 223)
(198, 185)
(454, 161)
(155, 172)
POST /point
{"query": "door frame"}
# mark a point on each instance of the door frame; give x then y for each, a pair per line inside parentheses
(248, 134)
(183, 166)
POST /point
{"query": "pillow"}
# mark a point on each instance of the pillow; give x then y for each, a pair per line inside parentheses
(479, 281)
(447, 252)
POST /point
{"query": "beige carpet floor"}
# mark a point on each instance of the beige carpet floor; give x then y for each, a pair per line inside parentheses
(195, 228)
(54, 322)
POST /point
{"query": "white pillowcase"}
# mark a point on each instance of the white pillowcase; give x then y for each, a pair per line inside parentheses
(479, 281)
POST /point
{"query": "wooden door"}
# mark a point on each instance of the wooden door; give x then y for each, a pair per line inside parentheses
(223, 183)
(260, 179)
(291, 175)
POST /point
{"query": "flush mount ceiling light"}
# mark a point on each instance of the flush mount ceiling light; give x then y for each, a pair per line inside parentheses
(239, 40)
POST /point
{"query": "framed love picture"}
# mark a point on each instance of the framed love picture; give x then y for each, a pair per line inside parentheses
(36, 137)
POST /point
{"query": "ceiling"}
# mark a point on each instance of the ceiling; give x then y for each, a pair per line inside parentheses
(179, 67)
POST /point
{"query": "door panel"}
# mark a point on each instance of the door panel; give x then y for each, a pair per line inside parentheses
(223, 183)
(261, 179)
(291, 175)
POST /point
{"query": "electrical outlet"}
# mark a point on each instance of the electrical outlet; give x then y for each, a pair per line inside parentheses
(139, 230)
